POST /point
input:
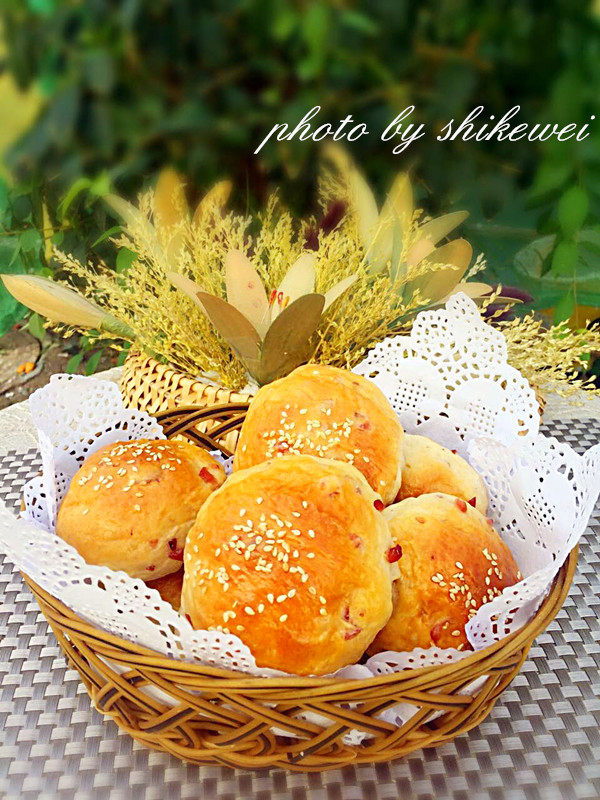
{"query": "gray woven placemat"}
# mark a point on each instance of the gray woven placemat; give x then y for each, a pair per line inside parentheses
(541, 741)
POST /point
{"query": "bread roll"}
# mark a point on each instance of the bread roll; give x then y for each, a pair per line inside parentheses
(131, 504)
(293, 557)
(169, 588)
(328, 412)
(429, 467)
(452, 562)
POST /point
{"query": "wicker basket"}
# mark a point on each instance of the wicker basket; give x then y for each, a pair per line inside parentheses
(222, 717)
(153, 387)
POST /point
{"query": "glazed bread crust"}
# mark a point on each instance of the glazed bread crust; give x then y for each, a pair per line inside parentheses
(452, 562)
(328, 412)
(292, 556)
(430, 467)
(131, 504)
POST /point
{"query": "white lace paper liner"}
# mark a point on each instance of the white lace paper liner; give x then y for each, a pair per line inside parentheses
(448, 380)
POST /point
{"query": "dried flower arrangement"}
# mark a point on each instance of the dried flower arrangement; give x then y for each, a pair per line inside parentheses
(222, 295)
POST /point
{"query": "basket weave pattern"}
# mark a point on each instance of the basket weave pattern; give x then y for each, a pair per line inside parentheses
(221, 717)
(153, 387)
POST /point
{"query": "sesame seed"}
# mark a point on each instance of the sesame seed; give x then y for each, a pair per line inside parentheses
(249, 610)
(283, 618)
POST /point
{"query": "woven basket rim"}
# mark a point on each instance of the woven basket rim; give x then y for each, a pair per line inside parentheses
(142, 654)
(169, 370)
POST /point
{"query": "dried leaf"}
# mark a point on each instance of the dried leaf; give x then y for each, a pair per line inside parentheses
(437, 229)
(170, 204)
(245, 290)
(362, 198)
(398, 205)
(394, 221)
(418, 252)
(187, 285)
(379, 252)
(287, 340)
(475, 291)
(336, 291)
(299, 280)
(216, 198)
(55, 302)
(232, 325)
(437, 284)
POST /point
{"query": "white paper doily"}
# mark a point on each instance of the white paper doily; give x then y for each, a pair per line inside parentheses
(448, 380)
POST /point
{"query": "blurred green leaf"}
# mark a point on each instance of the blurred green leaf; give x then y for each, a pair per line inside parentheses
(43, 7)
(122, 356)
(549, 287)
(564, 308)
(572, 210)
(564, 258)
(100, 186)
(99, 70)
(78, 186)
(30, 240)
(73, 363)
(286, 19)
(91, 365)
(360, 22)
(10, 310)
(3, 198)
(551, 176)
(315, 32)
(125, 259)
(107, 234)
(35, 326)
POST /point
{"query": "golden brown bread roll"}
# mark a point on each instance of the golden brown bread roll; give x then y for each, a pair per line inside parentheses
(292, 556)
(169, 588)
(430, 467)
(328, 412)
(131, 504)
(452, 562)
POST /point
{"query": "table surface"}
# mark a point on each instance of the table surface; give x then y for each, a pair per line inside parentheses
(542, 740)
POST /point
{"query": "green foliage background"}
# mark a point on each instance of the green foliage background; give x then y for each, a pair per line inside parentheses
(129, 86)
